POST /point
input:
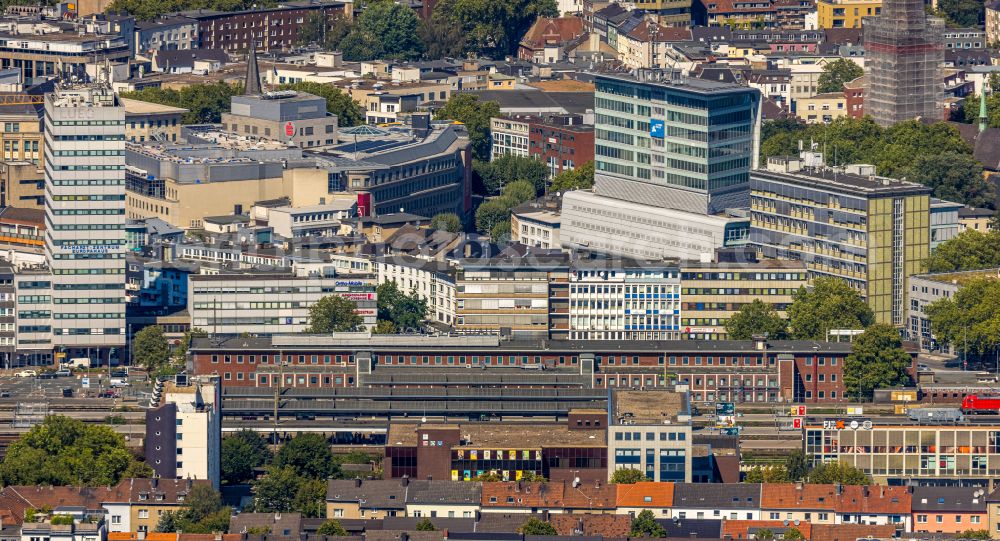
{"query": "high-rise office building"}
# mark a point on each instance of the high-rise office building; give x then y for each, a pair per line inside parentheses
(85, 213)
(674, 142)
(904, 54)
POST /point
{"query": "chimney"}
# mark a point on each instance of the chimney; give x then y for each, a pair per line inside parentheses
(430, 477)
(405, 481)
(798, 485)
(840, 489)
(403, 536)
(357, 482)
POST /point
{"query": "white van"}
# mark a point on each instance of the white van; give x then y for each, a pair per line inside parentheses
(78, 363)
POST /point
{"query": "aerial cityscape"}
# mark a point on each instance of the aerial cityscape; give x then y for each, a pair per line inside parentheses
(499, 270)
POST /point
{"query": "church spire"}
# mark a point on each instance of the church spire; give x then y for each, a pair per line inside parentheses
(252, 85)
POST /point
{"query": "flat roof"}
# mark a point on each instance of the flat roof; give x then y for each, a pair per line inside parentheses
(649, 406)
(960, 277)
(503, 435)
(845, 182)
(682, 84)
(138, 107)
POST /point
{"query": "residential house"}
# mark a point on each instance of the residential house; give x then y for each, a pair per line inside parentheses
(747, 529)
(616, 526)
(77, 531)
(549, 38)
(645, 46)
(273, 525)
(854, 97)
(136, 505)
(802, 502)
(366, 498)
(635, 498)
(442, 498)
(822, 108)
(875, 506)
(948, 509)
(553, 497)
(733, 502)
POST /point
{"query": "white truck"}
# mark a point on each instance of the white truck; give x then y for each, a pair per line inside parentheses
(78, 363)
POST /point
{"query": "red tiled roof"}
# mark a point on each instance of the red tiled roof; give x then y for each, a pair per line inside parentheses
(798, 496)
(592, 524)
(876, 500)
(648, 31)
(518, 494)
(741, 529)
(552, 30)
(635, 495)
(850, 532)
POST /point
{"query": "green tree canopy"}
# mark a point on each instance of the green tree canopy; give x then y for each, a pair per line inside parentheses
(961, 13)
(537, 527)
(970, 108)
(202, 512)
(349, 112)
(581, 178)
(179, 353)
(384, 30)
(492, 28)
(500, 232)
(975, 534)
(405, 312)
(970, 318)
(836, 73)
(441, 39)
(830, 304)
(242, 452)
(764, 534)
(793, 534)
(627, 476)
(150, 349)
(797, 465)
(276, 491)
(829, 473)
(63, 451)
(519, 191)
(970, 250)
(332, 527)
(954, 177)
(475, 114)
(758, 317)
(310, 498)
(496, 175)
(767, 474)
(146, 10)
(425, 525)
(490, 213)
(645, 525)
(877, 360)
(447, 221)
(308, 455)
(205, 102)
(334, 313)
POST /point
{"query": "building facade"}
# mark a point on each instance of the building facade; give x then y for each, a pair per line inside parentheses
(275, 28)
(872, 232)
(85, 210)
(145, 121)
(679, 143)
(904, 53)
(650, 431)
(845, 13)
(632, 303)
(184, 433)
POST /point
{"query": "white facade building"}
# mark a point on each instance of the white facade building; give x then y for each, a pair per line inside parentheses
(312, 220)
(85, 210)
(184, 433)
(638, 303)
(510, 136)
(432, 280)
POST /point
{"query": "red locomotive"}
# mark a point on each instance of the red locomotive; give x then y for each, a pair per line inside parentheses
(981, 404)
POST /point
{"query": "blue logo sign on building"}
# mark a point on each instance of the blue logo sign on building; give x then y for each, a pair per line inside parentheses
(656, 128)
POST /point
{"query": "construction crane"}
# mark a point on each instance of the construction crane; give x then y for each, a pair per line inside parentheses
(21, 99)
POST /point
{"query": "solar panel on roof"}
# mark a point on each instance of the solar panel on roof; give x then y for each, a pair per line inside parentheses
(370, 145)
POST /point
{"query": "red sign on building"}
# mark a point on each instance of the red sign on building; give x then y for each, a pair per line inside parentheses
(289, 129)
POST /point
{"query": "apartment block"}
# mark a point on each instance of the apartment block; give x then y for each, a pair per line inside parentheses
(637, 302)
(184, 433)
(432, 280)
(22, 134)
(675, 142)
(711, 293)
(563, 142)
(272, 29)
(650, 431)
(873, 232)
(145, 121)
(845, 13)
(85, 210)
(926, 289)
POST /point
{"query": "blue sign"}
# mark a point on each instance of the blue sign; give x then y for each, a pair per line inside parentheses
(656, 128)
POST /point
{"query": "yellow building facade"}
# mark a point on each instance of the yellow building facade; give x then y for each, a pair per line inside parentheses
(845, 13)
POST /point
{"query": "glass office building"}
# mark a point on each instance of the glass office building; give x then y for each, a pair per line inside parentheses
(674, 142)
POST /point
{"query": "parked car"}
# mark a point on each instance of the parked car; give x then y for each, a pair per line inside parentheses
(46, 375)
(108, 394)
(119, 374)
(68, 392)
(26, 374)
(5, 394)
(64, 373)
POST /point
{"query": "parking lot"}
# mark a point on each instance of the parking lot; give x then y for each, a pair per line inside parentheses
(83, 385)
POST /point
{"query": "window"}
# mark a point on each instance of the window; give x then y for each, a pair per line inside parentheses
(116, 519)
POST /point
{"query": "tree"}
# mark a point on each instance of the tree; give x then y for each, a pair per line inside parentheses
(490, 213)
(487, 477)
(310, 498)
(793, 534)
(970, 250)
(519, 191)
(425, 525)
(276, 492)
(146, 10)
(975, 534)
(334, 313)
(500, 232)
(537, 527)
(313, 30)
(829, 473)
(838, 72)
(467, 109)
(202, 512)
(961, 13)
(645, 525)
(349, 112)
(332, 528)
(954, 177)
(63, 451)
(830, 304)
(241, 453)
(969, 319)
(797, 465)
(447, 221)
(627, 476)
(180, 352)
(205, 102)
(384, 30)
(496, 175)
(758, 317)
(581, 178)
(877, 360)
(764, 534)
(308, 455)
(532, 477)
(384, 327)
(766, 474)
(405, 312)
(493, 28)
(440, 38)
(150, 349)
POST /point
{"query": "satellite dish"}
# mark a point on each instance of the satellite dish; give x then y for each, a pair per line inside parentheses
(423, 419)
